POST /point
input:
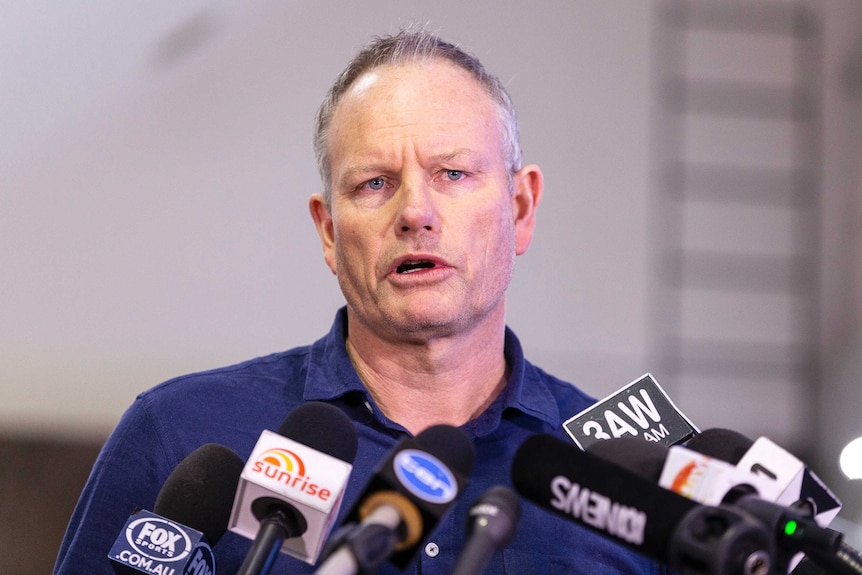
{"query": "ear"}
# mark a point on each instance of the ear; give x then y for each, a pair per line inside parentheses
(528, 185)
(322, 217)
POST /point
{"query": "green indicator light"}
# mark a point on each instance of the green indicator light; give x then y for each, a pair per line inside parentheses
(790, 527)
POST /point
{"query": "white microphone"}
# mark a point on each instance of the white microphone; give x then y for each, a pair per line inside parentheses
(292, 486)
(795, 484)
(711, 481)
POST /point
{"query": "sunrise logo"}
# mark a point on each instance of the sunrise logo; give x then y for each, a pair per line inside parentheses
(287, 468)
(279, 458)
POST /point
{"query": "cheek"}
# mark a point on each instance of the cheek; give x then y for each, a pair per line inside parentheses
(353, 250)
(493, 236)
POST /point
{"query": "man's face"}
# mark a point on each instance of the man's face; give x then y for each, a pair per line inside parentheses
(422, 229)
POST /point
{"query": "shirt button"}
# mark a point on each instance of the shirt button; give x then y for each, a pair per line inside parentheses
(432, 550)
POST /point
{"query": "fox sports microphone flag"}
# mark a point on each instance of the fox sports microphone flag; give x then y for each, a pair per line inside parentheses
(190, 515)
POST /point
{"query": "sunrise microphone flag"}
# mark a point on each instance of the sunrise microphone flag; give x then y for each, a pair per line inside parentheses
(622, 506)
(189, 516)
(292, 486)
(406, 496)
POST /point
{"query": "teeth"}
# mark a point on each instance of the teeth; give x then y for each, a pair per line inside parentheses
(410, 267)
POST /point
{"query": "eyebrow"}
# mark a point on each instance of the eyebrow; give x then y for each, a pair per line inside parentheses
(353, 172)
(460, 152)
(382, 167)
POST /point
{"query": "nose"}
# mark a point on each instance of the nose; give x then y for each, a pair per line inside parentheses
(417, 211)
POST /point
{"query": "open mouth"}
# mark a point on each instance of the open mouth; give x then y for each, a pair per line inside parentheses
(410, 267)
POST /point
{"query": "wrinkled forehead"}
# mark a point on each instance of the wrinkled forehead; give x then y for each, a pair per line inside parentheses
(431, 99)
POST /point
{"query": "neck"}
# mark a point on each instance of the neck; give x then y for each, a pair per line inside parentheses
(447, 380)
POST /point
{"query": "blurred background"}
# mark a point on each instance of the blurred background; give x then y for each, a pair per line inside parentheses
(701, 220)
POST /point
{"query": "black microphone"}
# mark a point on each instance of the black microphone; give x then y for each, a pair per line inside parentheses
(797, 485)
(790, 530)
(631, 510)
(405, 498)
(800, 489)
(292, 486)
(190, 515)
(491, 525)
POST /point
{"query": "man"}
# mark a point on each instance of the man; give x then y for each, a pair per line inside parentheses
(425, 207)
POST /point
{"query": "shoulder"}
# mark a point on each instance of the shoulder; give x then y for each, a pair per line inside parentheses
(258, 374)
(229, 405)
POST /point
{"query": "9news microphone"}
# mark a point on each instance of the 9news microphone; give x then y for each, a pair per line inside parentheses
(405, 498)
(618, 504)
(190, 514)
(292, 486)
(491, 525)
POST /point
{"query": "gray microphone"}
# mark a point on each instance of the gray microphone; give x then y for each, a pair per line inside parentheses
(491, 525)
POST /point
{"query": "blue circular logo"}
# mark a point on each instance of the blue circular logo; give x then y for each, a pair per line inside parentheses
(425, 476)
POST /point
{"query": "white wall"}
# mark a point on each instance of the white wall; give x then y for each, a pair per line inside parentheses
(165, 229)
(153, 212)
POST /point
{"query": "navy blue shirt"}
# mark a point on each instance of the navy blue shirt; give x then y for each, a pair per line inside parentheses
(232, 405)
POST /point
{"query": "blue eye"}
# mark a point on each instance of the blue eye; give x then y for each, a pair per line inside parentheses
(454, 175)
(376, 183)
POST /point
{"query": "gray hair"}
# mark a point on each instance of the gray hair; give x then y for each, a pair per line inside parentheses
(413, 45)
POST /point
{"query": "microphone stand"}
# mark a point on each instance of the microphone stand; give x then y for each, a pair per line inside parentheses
(279, 523)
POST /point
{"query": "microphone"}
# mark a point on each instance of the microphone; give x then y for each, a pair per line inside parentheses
(403, 501)
(491, 525)
(797, 485)
(658, 523)
(705, 480)
(292, 486)
(693, 475)
(640, 409)
(190, 514)
(711, 481)
(799, 488)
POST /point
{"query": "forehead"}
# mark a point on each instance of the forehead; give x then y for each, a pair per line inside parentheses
(431, 101)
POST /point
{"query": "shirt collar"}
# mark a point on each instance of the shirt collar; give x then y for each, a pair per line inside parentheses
(331, 375)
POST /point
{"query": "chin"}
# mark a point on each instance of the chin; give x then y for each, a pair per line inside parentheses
(421, 319)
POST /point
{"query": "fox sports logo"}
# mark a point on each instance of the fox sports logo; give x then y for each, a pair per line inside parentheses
(158, 539)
